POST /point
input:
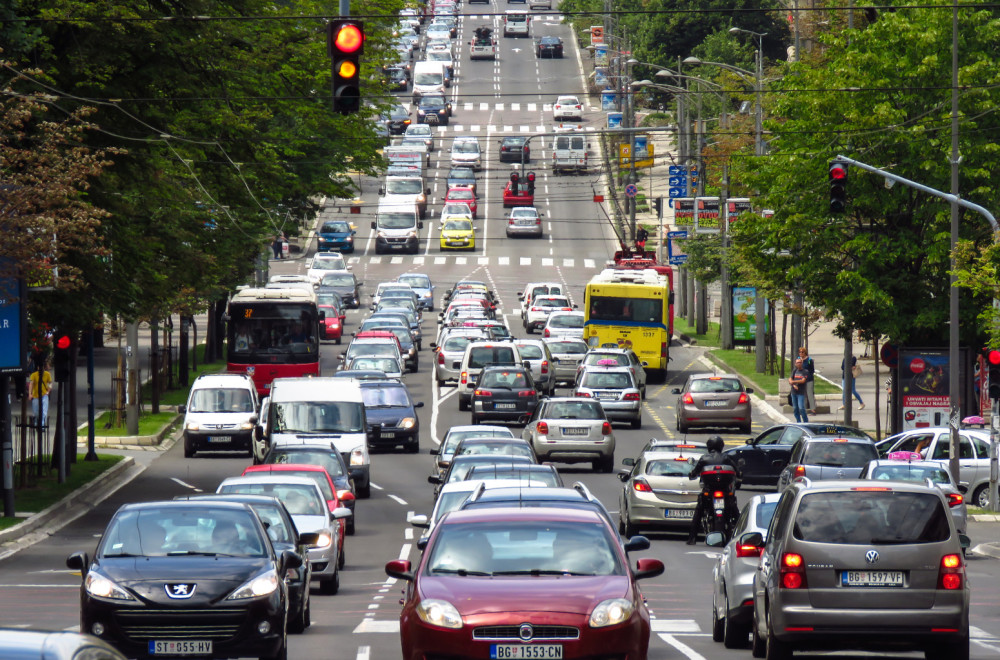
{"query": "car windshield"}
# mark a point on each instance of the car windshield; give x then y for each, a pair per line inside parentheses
(317, 417)
(497, 447)
(460, 469)
(431, 101)
(567, 100)
(566, 321)
(454, 437)
(513, 142)
(177, 531)
(325, 459)
(379, 396)
(521, 547)
(614, 308)
(504, 379)
(871, 517)
(338, 279)
(329, 300)
(457, 225)
(911, 472)
(669, 468)
(299, 499)
(839, 454)
(396, 220)
(403, 187)
(221, 400)
(415, 281)
(568, 347)
(574, 410)
(616, 380)
(466, 147)
(335, 227)
(366, 363)
(715, 385)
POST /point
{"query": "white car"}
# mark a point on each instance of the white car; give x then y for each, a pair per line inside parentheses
(538, 311)
(567, 107)
(323, 262)
(455, 210)
(566, 325)
(438, 32)
(465, 151)
(421, 131)
(524, 221)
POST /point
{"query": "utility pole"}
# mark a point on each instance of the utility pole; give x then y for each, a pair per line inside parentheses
(954, 402)
(726, 318)
(132, 377)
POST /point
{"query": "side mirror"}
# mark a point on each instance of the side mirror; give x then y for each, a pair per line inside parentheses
(309, 539)
(675, 390)
(422, 543)
(623, 475)
(647, 568)
(291, 559)
(182, 409)
(373, 225)
(418, 404)
(778, 464)
(434, 479)
(755, 539)
(420, 225)
(748, 390)
(253, 419)
(427, 191)
(420, 521)
(432, 345)
(749, 441)
(258, 433)
(381, 190)
(400, 569)
(77, 561)
(341, 512)
(964, 540)
(434, 451)
(636, 543)
(715, 540)
(345, 496)
(628, 461)
(574, 305)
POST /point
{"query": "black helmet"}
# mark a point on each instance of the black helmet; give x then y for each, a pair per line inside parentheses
(715, 443)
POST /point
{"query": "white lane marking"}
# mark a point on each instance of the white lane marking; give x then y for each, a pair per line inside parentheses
(514, 107)
(396, 260)
(377, 487)
(483, 261)
(525, 261)
(524, 129)
(372, 626)
(466, 106)
(589, 263)
(373, 606)
(532, 107)
(503, 261)
(461, 261)
(475, 128)
(975, 632)
(364, 653)
(404, 551)
(674, 626)
(507, 129)
(484, 106)
(408, 533)
(439, 260)
(688, 652)
(186, 485)
(398, 499)
(418, 261)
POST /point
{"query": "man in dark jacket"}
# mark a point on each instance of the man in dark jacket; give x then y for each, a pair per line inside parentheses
(714, 457)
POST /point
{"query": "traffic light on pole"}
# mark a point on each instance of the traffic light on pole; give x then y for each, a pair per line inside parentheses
(513, 183)
(61, 356)
(992, 357)
(346, 45)
(838, 187)
(531, 183)
(658, 206)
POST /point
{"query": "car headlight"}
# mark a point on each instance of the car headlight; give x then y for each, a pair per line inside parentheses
(193, 426)
(246, 426)
(611, 612)
(357, 457)
(101, 587)
(262, 585)
(412, 234)
(321, 239)
(408, 423)
(349, 239)
(324, 540)
(380, 234)
(439, 613)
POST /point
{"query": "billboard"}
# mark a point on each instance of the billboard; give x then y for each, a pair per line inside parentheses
(683, 211)
(596, 34)
(736, 206)
(13, 325)
(706, 215)
(745, 315)
(924, 387)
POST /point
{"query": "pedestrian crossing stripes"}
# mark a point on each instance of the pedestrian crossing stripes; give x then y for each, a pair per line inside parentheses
(440, 260)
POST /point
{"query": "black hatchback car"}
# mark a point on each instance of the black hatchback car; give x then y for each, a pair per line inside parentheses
(504, 394)
(344, 284)
(549, 47)
(764, 457)
(515, 150)
(397, 119)
(388, 405)
(186, 578)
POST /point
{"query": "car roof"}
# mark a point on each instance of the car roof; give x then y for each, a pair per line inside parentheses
(807, 486)
(269, 478)
(158, 504)
(285, 467)
(479, 427)
(493, 458)
(712, 376)
(470, 485)
(555, 514)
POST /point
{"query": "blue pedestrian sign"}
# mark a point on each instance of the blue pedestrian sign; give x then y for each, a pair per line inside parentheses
(631, 190)
(675, 170)
(682, 233)
(677, 181)
(676, 192)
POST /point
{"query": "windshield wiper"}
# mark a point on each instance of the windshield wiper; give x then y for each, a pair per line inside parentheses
(198, 553)
(123, 554)
(539, 571)
(460, 571)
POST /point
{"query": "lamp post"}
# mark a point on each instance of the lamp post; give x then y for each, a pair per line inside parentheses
(758, 118)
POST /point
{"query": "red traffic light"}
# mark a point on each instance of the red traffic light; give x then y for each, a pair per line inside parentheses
(993, 356)
(513, 177)
(838, 171)
(64, 341)
(531, 176)
(349, 38)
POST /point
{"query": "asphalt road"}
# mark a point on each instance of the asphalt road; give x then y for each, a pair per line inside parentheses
(507, 97)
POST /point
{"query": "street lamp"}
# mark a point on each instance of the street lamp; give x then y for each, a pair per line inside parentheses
(758, 88)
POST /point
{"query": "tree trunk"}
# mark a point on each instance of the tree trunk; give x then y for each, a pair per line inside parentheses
(154, 366)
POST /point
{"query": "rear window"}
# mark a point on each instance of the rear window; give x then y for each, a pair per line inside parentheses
(455, 344)
(668, 468)
(871, 517)
(765, 511)
(566, 321)
(568, 347)
(481, 356)
(839, 454)
(716, 385)
(325, 459)
(510, 379)
(551, 302)
(617, 380)
(910, 472)
(529, 351)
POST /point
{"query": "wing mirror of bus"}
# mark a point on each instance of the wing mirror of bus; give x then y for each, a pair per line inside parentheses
(670, 298)
(420, 225)
(427, 191)
(381, 190)
(373, 225)
(182, 409)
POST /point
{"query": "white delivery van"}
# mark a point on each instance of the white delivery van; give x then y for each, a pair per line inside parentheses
(407, 158)
(311, 410)
(220, 413)
(396, 227)
(515, 23)
(569, 153)
(428, 78)
(406, 190)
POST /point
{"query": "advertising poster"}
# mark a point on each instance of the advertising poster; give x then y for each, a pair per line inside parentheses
(923, 387)
(706, 215)
(596, 34)
(614, 120)
(600, 55)
(734, 207)
(13, 326)
(608, 103)
(745, 315)
(601, 77)
(683, 211)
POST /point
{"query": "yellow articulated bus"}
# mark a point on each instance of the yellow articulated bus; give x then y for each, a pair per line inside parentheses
(632, 309)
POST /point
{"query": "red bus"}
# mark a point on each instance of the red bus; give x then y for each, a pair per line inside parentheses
(273, 333)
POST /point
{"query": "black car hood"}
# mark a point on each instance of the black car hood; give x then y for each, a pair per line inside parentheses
(213, 578)
(343, 291)
(388, 416)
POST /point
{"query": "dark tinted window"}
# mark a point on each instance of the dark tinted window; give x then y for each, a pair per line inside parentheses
(481, 356)
(839, 454)
(765, 511)
(871, 517)
(529, 351)
(325, 459)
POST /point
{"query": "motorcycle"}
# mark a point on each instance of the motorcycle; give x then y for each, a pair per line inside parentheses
(718, 515)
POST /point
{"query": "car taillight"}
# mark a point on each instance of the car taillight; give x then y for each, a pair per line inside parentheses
(951, 573)
(954, 499)
(465, 377)
(527, 393)
(631, 396)
(688, 399)
(483, 393)
(566, 309)
(606, 428)
(640, 486)
(745, 550)
(579, 107)
(543, 428)
(546, 333)
(793, 571)
(545, 366)
(663, 349)
(536, 309)
(538, 221)
(525, 148)
(586, 394)
(718, 494)
(743, 398)
(800, 470)
(440, 357)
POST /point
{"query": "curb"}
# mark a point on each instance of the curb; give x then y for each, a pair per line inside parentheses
(991, 550)
(122, 441)
(46, 516)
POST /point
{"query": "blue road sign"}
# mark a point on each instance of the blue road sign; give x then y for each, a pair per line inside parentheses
(677, 181)
(682, 233)
(676, 192)
(631, 190)
(678, 260)
(675, 170)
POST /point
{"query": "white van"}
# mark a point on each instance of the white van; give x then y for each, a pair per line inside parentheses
(220, 414)
(428, 78)
(479, 354)
(406, 190)
(396, 227)
(311, 410)
(569, 153)
(515, 23)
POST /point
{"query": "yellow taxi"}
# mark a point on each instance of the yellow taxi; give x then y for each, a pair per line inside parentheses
(457, 233)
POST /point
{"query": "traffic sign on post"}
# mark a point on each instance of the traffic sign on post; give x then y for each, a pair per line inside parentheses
(677, 181)
(675, 192)
(631, 190)
(675, 170)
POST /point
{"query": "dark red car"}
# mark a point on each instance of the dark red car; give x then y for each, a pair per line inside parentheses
(494, 581)
(332, 324)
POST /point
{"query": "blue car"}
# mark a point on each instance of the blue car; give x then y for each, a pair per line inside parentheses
(421, 285)
(335, 235)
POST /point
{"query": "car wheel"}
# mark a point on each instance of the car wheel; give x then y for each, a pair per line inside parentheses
(188, 450)
(365, 492)
(718, 624)
(642, 393)
(413, 447)
(683, 428)
(301, 622)
(309, 610)
(331, 586)
(342, 556)
(745, 428)
(734, 635)
(282, 653)
(758, 645)
(625, 526)
(958, 651)
(605, 465)
(637, 422)
(776, 649)
(338, 340)
(349, 527)
(981, 497)
(463, 405)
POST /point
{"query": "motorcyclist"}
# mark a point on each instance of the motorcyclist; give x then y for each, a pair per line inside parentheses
(714, 456)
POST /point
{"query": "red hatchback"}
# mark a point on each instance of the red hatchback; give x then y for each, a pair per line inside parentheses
(463, 195)
(525, 583)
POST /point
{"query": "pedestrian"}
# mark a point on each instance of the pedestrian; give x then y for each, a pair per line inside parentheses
(640, 239)
(810, 366)
(798, 383)
(855, 372)
(40, 394)
(276, 245)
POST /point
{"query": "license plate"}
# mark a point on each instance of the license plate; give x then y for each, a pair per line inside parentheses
(607, 396)
(715, 404)
(871, 578)
(679, 513)
(191, 647)
(575, 431)
(219, 438)
(457, 242)
(387, 434)
(541, 651)
(505, 406)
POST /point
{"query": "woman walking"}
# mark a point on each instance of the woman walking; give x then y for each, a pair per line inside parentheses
(855, 372)
(798, 383)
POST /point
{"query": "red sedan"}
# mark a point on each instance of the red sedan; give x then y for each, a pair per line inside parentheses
(525, 583)
(519, 192)
(332, 324)
(463, 195)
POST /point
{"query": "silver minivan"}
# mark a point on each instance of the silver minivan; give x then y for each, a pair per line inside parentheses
(220, 414)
